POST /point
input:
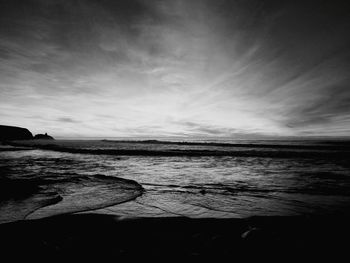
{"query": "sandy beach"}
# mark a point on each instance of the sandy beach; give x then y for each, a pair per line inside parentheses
(86, 236)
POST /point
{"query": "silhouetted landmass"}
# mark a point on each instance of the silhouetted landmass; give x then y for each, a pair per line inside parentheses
(43, 137)
(275, 239)
(14, 133)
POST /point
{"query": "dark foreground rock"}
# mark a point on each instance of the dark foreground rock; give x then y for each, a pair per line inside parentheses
(14, 133)
(93, 236)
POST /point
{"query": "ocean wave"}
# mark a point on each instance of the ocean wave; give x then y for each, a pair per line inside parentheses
(311, 145)
(218, 189)
(126, 148)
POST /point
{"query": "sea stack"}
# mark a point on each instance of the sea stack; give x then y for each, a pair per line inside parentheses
(43, 137)
(8, 133)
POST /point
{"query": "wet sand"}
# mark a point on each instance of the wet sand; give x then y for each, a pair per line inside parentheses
(94, 236)
(22, 199)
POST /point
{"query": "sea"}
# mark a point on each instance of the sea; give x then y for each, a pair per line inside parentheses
(166, 178)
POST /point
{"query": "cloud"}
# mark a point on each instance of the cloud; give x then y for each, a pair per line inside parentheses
(227, 68)
(66, 119)
(204, 129)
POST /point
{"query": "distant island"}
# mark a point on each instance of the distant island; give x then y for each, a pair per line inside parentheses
(9, 133)
(43, 137)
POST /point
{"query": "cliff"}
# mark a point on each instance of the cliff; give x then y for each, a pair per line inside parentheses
(14, 133)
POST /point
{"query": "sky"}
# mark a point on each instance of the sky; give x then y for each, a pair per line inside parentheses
(194, 68)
